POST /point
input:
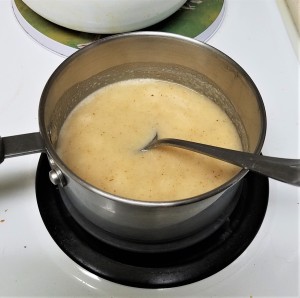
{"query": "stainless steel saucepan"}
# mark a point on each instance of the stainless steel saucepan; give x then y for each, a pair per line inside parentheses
(144, 225)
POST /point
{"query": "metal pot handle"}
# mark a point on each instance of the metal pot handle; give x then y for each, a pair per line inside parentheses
(21, 145)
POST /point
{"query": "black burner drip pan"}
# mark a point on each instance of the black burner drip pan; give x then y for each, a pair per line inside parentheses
(154, 270)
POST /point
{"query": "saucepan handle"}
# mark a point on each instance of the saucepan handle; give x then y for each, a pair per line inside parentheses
(21, 145)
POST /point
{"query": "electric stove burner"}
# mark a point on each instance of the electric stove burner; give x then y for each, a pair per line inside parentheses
(154, 270)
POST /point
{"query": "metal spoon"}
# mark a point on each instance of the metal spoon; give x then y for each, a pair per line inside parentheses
(282, 169)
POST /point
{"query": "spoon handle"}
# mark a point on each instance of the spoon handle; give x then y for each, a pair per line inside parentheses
(282, 169)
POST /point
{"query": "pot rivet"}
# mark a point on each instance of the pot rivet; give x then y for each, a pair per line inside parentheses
(56, 177)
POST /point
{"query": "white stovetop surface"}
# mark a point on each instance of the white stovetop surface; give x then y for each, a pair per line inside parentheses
(31, 264)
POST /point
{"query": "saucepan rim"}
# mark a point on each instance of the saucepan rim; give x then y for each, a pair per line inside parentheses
(52, 152)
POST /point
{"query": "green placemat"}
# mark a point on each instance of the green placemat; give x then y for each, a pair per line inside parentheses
(196, 18)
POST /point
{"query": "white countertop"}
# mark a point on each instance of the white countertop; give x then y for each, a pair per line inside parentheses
(31, 264)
